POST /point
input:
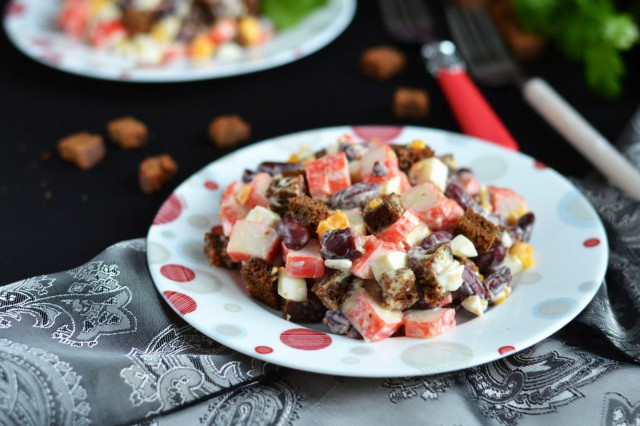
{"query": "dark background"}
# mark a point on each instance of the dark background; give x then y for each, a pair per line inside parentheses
(54, 216)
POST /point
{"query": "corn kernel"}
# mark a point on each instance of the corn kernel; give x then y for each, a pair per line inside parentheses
(337, 220)
(243, 195)
(202, 48)
(375, 203)
(249, 31)
(417, 144)
(293, 158)
(524, 253)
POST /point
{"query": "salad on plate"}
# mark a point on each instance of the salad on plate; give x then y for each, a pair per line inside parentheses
(373, 239)
(152, 32)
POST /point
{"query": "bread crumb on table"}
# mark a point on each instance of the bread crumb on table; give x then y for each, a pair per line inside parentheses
(83, 149)
(128, 132)
(382, 62)
(155, 172)
(229, 130)
(410, 103)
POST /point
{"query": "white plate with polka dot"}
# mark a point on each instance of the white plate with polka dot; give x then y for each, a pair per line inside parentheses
(571, 254)
(30, 25)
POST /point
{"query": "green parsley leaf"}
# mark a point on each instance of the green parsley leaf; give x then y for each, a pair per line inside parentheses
(589, 31)
(288, 13)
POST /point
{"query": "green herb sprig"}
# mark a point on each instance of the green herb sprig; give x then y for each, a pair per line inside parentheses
(288, 13)
(589, 31)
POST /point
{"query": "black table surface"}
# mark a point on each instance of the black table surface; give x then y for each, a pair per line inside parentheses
(54, 216)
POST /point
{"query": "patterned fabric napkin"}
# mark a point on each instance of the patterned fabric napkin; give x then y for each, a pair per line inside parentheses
(97, 344)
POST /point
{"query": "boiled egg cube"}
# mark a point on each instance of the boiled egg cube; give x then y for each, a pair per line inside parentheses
(263, 215)
(461, 246)
(389, 262)
(291, 288)
(429, 170)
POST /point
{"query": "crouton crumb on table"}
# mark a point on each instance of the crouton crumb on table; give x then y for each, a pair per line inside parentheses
(128, 132)
(410, 103)
(83, 149)
(154, 172)
(229, 130)
(382, 62)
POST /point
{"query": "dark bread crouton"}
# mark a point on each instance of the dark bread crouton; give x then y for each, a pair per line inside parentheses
(282, 189)
(382, 62)
(229, 130)
(408, 156)
(215, 247)
(154, 172)
(426, 273)
(399, 289)
(128, 132)
(478, 229)
(410, 103)
(310, 311)
(379, 214)
(82, 149)
(332, 289)
(308, 211)
(261, 278)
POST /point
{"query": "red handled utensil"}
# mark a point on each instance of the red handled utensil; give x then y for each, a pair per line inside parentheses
(409, 21)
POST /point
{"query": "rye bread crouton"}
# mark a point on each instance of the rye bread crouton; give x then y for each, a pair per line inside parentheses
(399, 291)
(332, 289)
(308, 211)
(154, 172)
(309, 311)
(128, 133)
(282, 189)
(379, 214)
(82, 149)
(478, 229)
(261, 278)
(215, 247)
(382, 62)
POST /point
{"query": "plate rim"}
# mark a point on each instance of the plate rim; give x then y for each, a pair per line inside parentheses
(558, 324)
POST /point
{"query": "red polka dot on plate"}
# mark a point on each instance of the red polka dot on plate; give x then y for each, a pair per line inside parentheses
(169, 211)
(505, 349)
(538, 165)
(177, 273)
(385, 133)
(15, 8)
(41, 42)
(263, 350)
(211, 185)
(305, 339)
(591, 242)
(183, 303)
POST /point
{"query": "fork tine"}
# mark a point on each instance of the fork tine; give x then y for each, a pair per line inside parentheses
(407, 20)
(417, 11)
(463, 35)
(486, 27)
(480, 44)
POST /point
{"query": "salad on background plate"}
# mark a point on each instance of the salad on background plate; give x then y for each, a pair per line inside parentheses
(173, 40)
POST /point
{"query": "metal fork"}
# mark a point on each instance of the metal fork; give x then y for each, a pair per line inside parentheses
(409, 21)
(490, 63)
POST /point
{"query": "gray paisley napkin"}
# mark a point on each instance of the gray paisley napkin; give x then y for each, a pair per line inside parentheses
(98, 345)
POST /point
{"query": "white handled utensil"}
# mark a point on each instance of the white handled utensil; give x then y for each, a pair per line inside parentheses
(490, 63)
